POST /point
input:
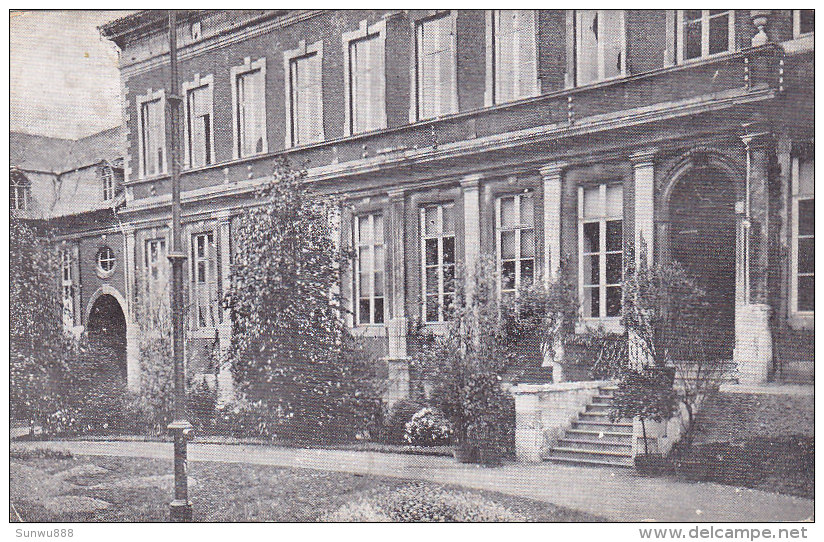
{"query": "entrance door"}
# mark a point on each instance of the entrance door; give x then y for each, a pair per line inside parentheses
(107, 339)
(702, 239)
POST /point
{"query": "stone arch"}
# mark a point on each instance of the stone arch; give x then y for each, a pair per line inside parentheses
(118, 339)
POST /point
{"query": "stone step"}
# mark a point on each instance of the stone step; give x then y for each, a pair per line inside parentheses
(602, 400)
(617, 427)
(590, 458)
(595, 444)
(606, 436)
(598, 407)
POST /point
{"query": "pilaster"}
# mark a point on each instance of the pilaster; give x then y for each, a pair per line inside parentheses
(552, 176)
(225, 384)
(643, 164)
(396, 329)
(470, 185)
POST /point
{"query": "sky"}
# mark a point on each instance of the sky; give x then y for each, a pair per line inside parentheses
(64, 80)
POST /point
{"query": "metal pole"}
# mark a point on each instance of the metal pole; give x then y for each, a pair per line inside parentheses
(180, 509)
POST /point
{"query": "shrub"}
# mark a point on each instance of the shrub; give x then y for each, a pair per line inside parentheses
(394, 428)
(202, 400)
(424, 503)
(428, 427)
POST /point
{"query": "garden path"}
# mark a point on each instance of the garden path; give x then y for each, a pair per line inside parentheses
(616, 494)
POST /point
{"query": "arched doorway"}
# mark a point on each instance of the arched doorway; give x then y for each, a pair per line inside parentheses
(106, 331)
(702, 229)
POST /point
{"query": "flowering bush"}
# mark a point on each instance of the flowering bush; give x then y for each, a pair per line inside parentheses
(423, 503)
(428, 427)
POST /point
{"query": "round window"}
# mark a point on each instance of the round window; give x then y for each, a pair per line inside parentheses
(105, 259)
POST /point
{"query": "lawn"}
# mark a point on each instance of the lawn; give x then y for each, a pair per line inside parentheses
(112, 489)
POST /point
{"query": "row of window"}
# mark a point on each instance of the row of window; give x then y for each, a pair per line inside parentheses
(20, 188)
(512, 65)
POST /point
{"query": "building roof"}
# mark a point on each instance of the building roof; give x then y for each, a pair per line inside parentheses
(64, 174)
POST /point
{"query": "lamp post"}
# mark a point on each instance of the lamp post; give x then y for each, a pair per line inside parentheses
(180, 509)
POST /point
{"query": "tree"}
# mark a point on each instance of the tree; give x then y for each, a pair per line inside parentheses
(292, 353)
(646, 394)
(669, 321)
(38, 347)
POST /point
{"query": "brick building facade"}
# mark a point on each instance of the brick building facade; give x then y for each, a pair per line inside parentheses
(525, 135)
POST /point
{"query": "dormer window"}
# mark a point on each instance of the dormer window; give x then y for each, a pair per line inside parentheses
(107, 178)
(19, 191)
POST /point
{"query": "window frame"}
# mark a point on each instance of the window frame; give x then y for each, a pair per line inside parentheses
(518, 228)
(491, 96)
(356, 290)
(67, 285)
(439, 236)
(236, 72)
(19, 191)
(601, 48)
(189, 87)
(109, 185)
(415, 106)
(602, 253)
(142, 101)
(377, 32)
(797, 25)
(99, 259)
(213, 304)
(705, 34)
(797, 196)
(289, 57)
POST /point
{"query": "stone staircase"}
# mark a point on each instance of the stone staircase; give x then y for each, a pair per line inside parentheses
(595, 440)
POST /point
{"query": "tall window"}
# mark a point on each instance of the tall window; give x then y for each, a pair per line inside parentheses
(107, 177)
(19, 191)
(250, 113)
(66, 263)
(152, 137)
(515, 229)
(803, 259)
(156, 271)
(600, 44)
(514, 58)
(204, 274)
(366, 84)
(435, 67)
(601, 249)
(306, 99)
(705, 32)
(199, 126)
(437, 260)
(803, 22)
(369, 275)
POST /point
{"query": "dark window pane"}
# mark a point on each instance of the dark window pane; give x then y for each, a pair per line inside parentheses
(594, 301)
(508, 276)
(719, 34)
(527, 243)
(431, 308)
(378, 310)
(692, 40)
(613, 301)
(592, 239)
(806, 293)
(431, 252)
(592, 269)
(806, 255)
(201, 271)
(431, 280)
(364, 311)
(527, 272)
(448, 250)
(614, 235)
(806, 217)
(449, 278)
(692, 14)
(508, 244)
(447, 304)
(807, 22)
(614, 263)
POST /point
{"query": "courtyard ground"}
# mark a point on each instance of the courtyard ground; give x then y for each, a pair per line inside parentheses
(615, 494)
(128, 489)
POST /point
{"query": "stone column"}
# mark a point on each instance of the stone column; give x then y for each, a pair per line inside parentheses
(753, 339)
(644, 235)
(225, 384)
(552, 174)
(397, 359)
(472, 225)
(132, 331)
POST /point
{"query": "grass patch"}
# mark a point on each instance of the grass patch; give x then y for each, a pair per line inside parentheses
(138, 490)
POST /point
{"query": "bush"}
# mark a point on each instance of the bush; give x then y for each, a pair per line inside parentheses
(424, 503)
(202, 400)
(428, 427)
(394, 427)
